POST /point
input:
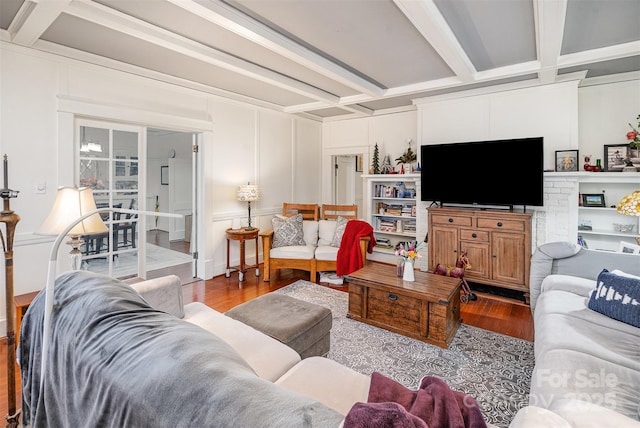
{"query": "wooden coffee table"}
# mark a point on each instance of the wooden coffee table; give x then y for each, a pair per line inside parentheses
(427, 309)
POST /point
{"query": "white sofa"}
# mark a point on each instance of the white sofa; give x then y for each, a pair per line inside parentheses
(324, 380)
(587, 369)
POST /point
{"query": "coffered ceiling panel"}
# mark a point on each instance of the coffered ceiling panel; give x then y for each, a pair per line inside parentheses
(334, 59)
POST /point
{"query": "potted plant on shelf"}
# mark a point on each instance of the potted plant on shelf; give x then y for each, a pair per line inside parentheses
(406, 160)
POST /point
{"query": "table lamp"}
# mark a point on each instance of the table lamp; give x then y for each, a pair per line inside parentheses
(249, 192)
(630, 205)
(71, 203)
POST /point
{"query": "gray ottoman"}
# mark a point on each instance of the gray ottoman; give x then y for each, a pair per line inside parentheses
(303, 326)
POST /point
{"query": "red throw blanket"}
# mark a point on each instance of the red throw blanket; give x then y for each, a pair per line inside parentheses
(349, 258)
(433, 405)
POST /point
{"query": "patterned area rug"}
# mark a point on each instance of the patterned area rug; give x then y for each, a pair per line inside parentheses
(493, 368)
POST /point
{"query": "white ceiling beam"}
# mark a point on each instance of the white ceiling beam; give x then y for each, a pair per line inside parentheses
(549, 16)
(134, 27)
(601, 54)
(425, 16)
(232, 20)
(33, 19)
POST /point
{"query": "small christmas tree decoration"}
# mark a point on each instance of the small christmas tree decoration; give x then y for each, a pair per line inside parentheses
(375, 163)
(386, 167)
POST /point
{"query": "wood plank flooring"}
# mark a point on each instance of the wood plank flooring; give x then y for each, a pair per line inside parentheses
(490, 312)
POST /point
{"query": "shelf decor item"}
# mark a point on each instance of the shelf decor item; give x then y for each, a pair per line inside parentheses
(634, 138)
(566, 160)
(615, 157)
(623, 228)
(593, 200)
(406, 160)
(407, 252)
(375, 161)
(630, 205)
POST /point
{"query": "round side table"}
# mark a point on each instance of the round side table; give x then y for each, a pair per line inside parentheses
(242, 235)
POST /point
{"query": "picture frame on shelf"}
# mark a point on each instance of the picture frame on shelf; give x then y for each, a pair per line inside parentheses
(566, 160)
(629, 248)
(359, 163)
(614, 156)
(593, 200)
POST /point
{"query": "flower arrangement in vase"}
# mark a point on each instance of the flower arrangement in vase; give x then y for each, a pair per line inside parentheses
(634, 140)
(407, 252)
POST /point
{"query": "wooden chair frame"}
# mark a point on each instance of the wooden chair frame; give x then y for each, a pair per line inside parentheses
(332, 212)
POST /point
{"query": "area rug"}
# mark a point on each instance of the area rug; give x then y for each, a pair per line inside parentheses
(493, 368)
(127, 263)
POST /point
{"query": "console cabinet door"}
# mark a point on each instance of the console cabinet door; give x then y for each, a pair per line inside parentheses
(478, 255)
(443, 246)
(509, 257)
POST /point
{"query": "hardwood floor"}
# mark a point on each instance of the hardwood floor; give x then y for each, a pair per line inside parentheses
(490, 312)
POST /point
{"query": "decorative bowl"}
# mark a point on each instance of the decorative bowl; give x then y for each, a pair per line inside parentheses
(624, 228)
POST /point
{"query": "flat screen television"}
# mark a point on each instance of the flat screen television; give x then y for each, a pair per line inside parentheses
(502, 173)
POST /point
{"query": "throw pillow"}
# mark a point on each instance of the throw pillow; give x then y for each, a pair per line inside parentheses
(287, 231)
(617, 297)
(341, 224)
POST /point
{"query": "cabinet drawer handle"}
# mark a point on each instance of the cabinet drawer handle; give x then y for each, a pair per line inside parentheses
(393, 296)
(499, 224)
(450, 220)
(474, 235)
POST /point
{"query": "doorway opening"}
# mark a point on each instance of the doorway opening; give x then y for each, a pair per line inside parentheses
(347, 180)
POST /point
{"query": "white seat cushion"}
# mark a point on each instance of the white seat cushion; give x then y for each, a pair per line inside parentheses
(326, 231)
(326, 252)
(310, 232)
(327, 381)
(302, 252)
(269, 358)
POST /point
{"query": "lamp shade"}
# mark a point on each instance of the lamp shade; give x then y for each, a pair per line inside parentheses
(70, 204)
(248, 193)
(630, 204)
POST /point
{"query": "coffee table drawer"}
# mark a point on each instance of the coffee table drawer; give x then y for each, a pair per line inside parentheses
(395, 310)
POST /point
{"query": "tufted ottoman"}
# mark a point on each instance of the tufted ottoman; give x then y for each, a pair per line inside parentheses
(303, 326)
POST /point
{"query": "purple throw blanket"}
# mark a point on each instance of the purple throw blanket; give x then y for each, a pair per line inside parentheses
(433, 405)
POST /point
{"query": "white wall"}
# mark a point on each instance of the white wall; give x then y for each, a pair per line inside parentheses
(40, 94)
(353, 136)
(605, 114)
(550, 111)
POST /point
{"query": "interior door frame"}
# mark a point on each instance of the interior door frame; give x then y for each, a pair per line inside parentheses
(70, 108)
(328, 172)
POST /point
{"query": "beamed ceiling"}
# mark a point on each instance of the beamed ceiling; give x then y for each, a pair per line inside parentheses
(329, 59)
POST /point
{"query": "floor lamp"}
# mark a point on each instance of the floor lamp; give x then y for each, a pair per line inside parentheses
(10, 219)
(53, 259)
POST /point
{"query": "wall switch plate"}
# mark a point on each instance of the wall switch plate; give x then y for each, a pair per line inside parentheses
(41, 188)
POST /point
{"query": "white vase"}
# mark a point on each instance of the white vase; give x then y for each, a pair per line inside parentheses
(408, 274)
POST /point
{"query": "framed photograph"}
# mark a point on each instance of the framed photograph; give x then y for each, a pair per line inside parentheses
(164, 175)
(627, 247)
(593, 200)
(566, 160)
(359, 163)
(614, 156)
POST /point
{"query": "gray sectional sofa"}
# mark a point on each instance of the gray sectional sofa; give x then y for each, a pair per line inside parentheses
(587, 369)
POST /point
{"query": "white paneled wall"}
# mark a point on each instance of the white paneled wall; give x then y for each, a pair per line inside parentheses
(42, 93)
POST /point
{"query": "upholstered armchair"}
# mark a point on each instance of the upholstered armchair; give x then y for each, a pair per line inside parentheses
(302, 240)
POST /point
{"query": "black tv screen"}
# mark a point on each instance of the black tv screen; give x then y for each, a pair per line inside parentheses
(499, 172)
